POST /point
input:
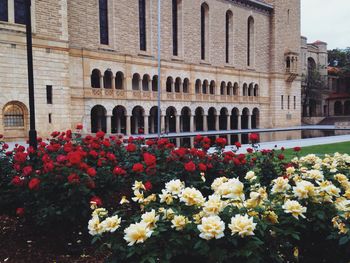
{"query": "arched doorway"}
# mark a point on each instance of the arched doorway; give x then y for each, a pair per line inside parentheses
(212, 119)
(223, 121)
(119, 120)
(153, 120)
(98, 119)
(234, 124)
(198, 119)
(170, 120)
(255, 118)
(245, 125)
(137, 120)
(185, 125)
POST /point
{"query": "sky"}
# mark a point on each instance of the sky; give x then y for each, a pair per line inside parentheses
(326, 20)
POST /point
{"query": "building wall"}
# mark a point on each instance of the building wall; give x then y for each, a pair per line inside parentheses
(67, 48)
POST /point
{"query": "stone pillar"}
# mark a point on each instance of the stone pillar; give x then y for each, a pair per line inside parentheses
(249, 121)
(101, 82)
(128, 125)
(178, 141)
(228, 121)
(146, 127)
(192, 124)
(11, 11)
(152, 123)
(113, 83)
(109, 124)
(119, 130)
(239, 126)
(162, 122)
(217, 122)
(205, 122)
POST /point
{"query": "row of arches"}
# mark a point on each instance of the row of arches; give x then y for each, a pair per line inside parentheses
(177, 85)
(138, 121)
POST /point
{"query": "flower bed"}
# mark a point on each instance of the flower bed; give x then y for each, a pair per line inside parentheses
(155, 203)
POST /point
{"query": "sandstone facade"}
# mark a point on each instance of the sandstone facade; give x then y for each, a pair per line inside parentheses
(228, 95)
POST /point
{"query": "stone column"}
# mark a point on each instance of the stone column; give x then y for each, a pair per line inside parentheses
(152, 123)
(228, 121)
(101, 82)
(178, 141)
(162, 123)
(113, 83)
(119, 128)
(217, 123)
(239, 126)
(11, 11)
(109, 124)
(128, 125)
(140, 84)
(146, 127)
(205, 122)
(192, 124)
(249, 121)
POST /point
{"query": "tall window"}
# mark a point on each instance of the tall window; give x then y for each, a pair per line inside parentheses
(104, 22)
(142, 24)
(295, 102)
(175, 28)
(49, 94)
(204, 30)
(3, 10)
(250, 41)
(229, 18)
(20, 12)
(282, 104)
(288, 102)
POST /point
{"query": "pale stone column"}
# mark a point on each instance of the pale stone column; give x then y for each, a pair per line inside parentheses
(11, 11)
(205, 122)
(109, 124)
(152, 123)
(178, 141)
(228, 120)
(217, 123)
(162, 123)
(87, 123)
(192, 124)
(113, 83)
(101, 82)
(239, 126)
(128, 125)
(140, 84)
(146, 127)
(119, 128)
(249, 121)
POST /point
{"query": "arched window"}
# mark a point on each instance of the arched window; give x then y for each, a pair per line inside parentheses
(169, 84)
(13, 116)
(212, 87)
(222, 88)
(250, 41)
(204, 31)
(186, 85)
(136, 82)
(178, 85)
(142, 25)
(95, 79)
(155, 83)
(103, 5)
(198, 86)
(119, 80)
(107, 79)
(20, 12)
(229, 27)
(205, 87)
(145, 83)
(4, 10)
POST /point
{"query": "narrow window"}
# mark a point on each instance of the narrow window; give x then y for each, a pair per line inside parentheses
(50, 118)
(104, 22)
(288, 102)
(4, 10)
(228, 35)
(142, 24)
(295, 102)
(175, 28)
(20, 12)
(282, 102)
(204, 30)
(250, 41)
(49, 94)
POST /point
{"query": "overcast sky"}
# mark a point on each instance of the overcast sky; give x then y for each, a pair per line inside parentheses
(326, 20)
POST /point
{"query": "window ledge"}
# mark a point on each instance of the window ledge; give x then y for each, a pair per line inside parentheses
(12, 27)
(205, 62)
(228, 65)
(177, 58)
(145, 54)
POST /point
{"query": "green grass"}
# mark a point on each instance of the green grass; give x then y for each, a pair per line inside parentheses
(343, 147)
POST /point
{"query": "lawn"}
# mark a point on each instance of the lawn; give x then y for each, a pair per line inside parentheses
(343, 147)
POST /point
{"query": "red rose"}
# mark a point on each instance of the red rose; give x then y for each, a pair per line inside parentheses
(17, 181)
(148, 185)
(198, 138)
(73, 178)
(238, 144)
(221, 142)
(119, 171)
(111, 157)
(150, 142)
(96, 201)
(131, 147)
(34, 184)
(91, 184)
(79, 127)
(138, 168)
(254, 137)
(249, 150)
(1, 136)
(91, 172)
(297, 149)
(281, 157)
(150, 159)
(74, 157)
(100, 134)
(190, 166)
(20, 211)
(202, 167)
(27, 170)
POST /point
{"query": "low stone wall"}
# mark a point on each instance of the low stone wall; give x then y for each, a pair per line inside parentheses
(343, 125)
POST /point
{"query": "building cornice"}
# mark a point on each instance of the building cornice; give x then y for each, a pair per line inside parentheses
(256, 4)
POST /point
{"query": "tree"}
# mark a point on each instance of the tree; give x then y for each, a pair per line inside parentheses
(339, 57)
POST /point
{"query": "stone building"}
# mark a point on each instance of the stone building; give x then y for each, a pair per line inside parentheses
(314, 63)
(226, 64)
